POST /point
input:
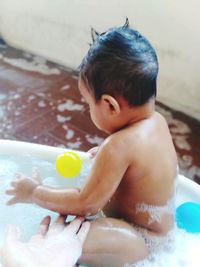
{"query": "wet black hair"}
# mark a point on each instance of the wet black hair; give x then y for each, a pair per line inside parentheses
(121, 62)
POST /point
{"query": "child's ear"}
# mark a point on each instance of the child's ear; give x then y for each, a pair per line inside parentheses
(111, 104)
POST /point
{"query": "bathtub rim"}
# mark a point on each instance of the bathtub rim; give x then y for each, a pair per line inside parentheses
(13, 147)
(187, 189)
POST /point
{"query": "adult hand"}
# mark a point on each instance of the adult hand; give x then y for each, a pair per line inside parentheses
(59, 245)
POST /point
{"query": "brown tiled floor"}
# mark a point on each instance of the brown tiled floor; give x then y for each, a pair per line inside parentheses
(40, 103)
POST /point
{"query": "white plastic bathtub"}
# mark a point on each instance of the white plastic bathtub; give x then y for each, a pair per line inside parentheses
(187, 189)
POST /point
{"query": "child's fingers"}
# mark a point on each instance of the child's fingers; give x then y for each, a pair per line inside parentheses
(74, 226)
(36, 175)
(14, 183)
(10, 191)
(92, 152)
(93, 149)
(18, 175)
(12, 201)
(12, 233)
(83, 232)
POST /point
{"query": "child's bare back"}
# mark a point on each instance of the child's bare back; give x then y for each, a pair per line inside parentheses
(140, 209)
(149, 179)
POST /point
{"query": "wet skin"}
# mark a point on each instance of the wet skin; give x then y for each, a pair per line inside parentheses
(135, 165)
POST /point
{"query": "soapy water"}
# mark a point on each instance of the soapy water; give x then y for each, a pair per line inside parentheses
(178, 249)
(28, 216)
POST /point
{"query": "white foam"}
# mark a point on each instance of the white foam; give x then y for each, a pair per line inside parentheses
(41, 104)
(3, 96)
(182, 143)
(16, 96)
(69, 133)
(74, 145)
(2, 114)
(30, 98)
(28, 216)
(70, 106)
(38, 64)
(65, 87)
(156, 212)
(62, 119)
(179, 249)
(94, 139)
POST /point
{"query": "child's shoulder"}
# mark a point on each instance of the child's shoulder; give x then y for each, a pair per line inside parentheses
(122, 141)
(139, 133)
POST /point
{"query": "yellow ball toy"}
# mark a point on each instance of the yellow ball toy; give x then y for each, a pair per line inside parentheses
(68, 164)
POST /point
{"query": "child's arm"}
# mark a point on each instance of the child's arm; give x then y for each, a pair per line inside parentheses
(103, 180)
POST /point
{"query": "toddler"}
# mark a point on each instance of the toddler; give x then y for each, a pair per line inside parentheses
(132, 178)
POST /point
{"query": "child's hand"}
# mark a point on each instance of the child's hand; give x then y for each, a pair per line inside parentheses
(23, 187)
(93, 151)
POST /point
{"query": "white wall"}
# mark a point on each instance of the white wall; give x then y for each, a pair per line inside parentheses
(60, 31)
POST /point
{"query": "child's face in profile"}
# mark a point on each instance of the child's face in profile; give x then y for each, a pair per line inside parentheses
(96, 114)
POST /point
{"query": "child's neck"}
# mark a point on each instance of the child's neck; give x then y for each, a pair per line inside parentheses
(132, 115)
(142, 112)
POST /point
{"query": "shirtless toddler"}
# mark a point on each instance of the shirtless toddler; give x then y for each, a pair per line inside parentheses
(132, 178)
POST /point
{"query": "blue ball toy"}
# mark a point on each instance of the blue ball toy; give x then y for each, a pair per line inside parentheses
(188, 217)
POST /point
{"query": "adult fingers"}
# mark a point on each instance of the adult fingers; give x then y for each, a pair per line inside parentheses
(59, 221)
(74, 226)
(58, 225)
(42, 230)
(44, 226)
(12, 233)
(83, 232)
